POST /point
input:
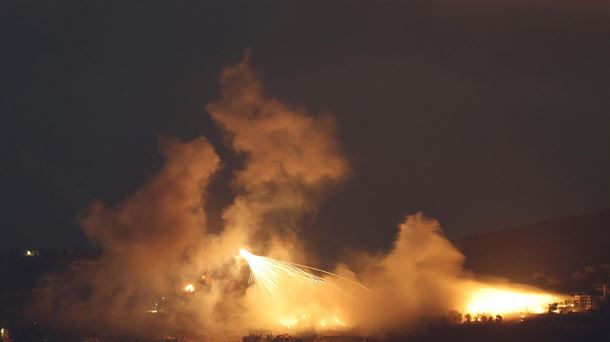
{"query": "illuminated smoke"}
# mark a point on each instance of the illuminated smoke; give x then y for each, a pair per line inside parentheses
(291, 158)
(146, 237)
(157, 249)
(421, 279)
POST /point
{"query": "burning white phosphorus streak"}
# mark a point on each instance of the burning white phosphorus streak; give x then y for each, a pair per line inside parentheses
(266, 272)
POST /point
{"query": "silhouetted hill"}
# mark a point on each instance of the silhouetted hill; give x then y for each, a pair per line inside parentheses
(557, 247)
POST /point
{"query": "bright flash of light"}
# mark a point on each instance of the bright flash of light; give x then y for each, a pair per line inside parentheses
(189, 288)
(490, 300)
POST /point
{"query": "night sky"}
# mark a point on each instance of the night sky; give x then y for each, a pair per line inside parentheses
(483, 114)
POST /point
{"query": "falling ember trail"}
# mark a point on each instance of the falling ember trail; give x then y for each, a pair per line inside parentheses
(268, 272)
(332, 274)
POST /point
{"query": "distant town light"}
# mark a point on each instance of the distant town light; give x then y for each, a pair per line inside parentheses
(31, 252)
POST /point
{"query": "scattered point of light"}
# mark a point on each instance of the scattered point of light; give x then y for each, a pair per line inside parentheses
(31, 252)
(189, 288)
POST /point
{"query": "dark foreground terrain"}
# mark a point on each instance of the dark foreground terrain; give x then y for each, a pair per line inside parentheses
(594, 326)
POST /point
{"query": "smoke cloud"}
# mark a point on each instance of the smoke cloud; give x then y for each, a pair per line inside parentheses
(291, 158)
(146, 238)
(415, 281)
(155, 241)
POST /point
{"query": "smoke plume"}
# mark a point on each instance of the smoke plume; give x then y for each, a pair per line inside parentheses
(162, 271)
(291, 157)
(415, 280)
(145, 237)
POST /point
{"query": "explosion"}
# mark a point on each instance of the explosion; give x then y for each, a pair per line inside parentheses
(157, 240)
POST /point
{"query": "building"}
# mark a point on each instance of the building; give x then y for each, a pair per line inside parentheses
(583, 301)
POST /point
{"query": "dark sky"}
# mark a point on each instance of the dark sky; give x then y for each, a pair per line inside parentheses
(483, 114)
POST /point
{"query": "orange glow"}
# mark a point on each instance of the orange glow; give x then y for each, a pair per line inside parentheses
(491, 300)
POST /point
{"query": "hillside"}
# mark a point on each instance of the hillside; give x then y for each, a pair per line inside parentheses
(557, 250)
